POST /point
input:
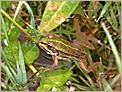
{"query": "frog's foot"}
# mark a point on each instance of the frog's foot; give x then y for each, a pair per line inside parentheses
(90, 68)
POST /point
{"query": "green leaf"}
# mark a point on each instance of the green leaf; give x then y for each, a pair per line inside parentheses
(5, 4)
(11, 52)
(31, 52)
(54, 79)
(79, 10)
(14, 35)
(56, 13)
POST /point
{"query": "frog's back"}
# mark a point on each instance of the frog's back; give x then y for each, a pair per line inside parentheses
(62, 45)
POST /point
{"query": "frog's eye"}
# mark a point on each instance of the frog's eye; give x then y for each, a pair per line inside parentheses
(49, 46)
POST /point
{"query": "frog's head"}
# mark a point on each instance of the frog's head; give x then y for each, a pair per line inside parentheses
(47, 46)
(50, 39)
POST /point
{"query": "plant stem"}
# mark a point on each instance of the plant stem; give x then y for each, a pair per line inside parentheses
(33, 69)
(16, 24)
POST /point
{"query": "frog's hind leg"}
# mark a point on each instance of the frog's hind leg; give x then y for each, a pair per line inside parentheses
(90, 68)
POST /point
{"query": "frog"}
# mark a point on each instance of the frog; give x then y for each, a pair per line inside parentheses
(59, 48)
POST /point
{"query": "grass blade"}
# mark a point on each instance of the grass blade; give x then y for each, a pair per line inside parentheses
(107, 87)
(15, 23)
(114, 49)
(86, 75)
(9, 70)
(32, 19)
(81, 87)
(104, 10)
(112, 18)
(85, 81)
(4, 29)
(22, 78)
(17, 10)
(10, 76)
(114, 80)
(16, 13)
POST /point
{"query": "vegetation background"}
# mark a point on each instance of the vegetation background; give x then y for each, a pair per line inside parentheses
(25, 66)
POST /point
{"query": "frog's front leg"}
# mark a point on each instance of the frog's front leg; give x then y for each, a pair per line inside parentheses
(55, 59)
(89, 68)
